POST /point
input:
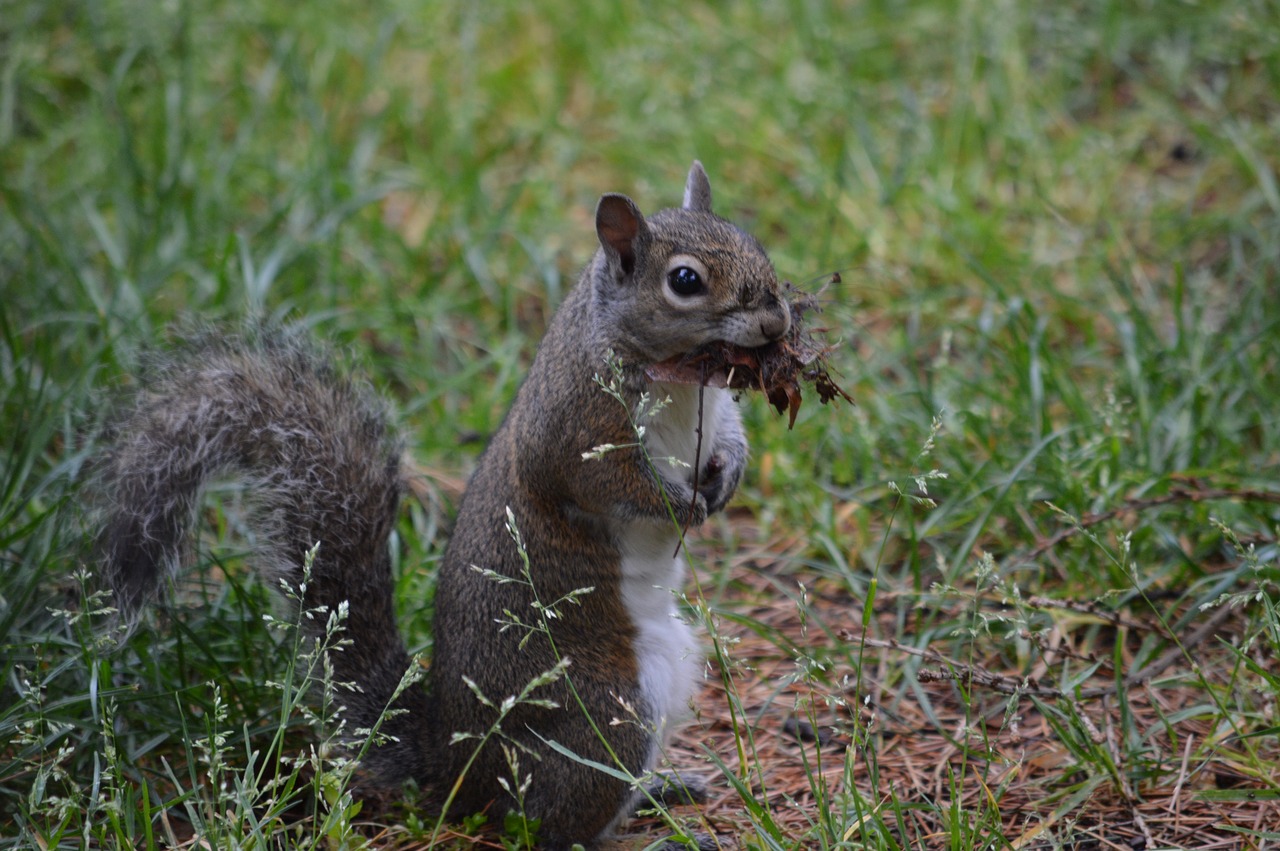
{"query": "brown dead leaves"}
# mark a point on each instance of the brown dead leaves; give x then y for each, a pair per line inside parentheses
(775, 369)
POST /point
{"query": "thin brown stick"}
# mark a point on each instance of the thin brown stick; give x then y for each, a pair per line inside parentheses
(975, 675)
(1176, 798)
(1173, 654)
(1176, 494)
(1096, 609)
(697, 463)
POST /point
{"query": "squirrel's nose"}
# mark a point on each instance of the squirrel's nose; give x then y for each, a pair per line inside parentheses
(775, 325)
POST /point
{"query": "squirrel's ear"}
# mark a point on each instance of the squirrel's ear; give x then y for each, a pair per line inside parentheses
(619, 225)
(697, 189)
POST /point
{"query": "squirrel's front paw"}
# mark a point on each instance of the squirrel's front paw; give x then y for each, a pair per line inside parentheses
(690, 507)
(718, 481)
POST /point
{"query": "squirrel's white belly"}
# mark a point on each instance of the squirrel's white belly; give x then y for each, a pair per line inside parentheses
(666, 648)
(672, 433)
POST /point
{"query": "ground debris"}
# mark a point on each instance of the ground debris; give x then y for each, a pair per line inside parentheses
(922, 746)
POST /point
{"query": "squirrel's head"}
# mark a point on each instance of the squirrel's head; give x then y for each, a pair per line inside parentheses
(683, 278)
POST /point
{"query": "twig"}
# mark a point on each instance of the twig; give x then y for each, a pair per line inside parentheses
(1176, 494)
(697, 463)
(1176, 797)
(970, 674)
(1095, 609)
(1170, 656)
(1121, 777)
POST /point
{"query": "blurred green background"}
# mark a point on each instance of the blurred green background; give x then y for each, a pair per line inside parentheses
(1057, 226)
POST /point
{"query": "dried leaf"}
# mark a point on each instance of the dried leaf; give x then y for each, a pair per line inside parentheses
(775, 369)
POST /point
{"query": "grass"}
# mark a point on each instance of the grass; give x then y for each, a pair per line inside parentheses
(1058, 231)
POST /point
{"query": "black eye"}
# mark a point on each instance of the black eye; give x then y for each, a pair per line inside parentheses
(684, 281)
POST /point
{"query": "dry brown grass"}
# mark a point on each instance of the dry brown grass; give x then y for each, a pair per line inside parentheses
(953, 726)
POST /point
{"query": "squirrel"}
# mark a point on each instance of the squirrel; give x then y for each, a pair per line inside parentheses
(316, 451)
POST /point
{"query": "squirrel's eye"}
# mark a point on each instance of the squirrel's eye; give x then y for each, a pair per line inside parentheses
(684, 281)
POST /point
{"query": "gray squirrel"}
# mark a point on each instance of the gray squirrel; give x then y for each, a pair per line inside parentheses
(315, 450)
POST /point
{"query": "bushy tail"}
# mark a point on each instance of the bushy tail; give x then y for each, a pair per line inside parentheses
(321, 465)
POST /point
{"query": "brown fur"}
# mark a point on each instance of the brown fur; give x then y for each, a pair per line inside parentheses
(317, 455)
(316, 450)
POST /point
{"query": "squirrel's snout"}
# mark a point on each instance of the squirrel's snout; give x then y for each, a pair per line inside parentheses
(775, 326)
